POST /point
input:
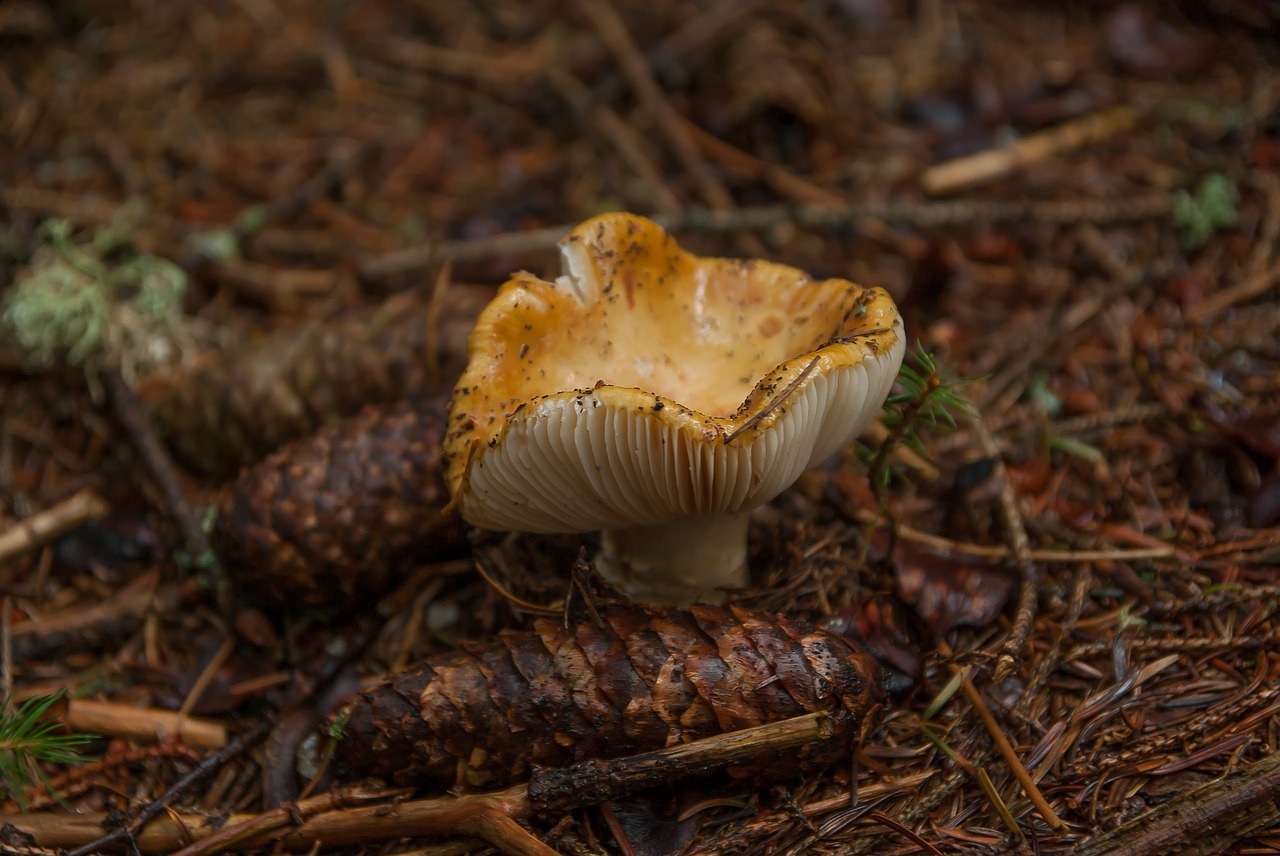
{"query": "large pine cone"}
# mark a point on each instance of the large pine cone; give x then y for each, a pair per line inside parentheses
(329, 520)
(643, 680)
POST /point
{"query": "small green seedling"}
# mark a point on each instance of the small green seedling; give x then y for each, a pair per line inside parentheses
(28, 739)
(930, 396)
(1211, 209)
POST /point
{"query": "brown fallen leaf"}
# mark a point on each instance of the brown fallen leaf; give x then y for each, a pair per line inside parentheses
(951, 591)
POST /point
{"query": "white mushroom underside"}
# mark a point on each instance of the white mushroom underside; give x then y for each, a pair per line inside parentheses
(575, 464)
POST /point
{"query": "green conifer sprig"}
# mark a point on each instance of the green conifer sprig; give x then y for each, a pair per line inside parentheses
(929, 396)
(28, 739)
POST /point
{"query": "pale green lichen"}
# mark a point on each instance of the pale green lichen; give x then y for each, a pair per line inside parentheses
(70, 306)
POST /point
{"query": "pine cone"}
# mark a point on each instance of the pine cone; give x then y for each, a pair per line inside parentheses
(328, 520)
(233, 408)
(644, 680)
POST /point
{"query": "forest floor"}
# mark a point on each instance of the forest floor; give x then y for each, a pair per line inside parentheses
(224, 225)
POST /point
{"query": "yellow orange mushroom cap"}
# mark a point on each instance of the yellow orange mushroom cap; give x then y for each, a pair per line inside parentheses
(647, 384)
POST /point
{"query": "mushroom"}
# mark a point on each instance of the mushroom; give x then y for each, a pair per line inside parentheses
(660, 397)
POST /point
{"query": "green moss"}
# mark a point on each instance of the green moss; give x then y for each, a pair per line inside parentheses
(1212, 208)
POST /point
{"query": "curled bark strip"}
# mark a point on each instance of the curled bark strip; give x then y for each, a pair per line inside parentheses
(640, 680)
(328, 520)
(232, 408)
(279, 780)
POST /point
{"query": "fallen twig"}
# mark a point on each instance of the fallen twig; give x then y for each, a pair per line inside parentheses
(1255, 286)
(160, 805)
(133, 417)
(108, 718)
(263, 825)
(1203, 821)
(747, 165)
(492, 817)
(919, 214)
(619, 134)
(557, 790)
(86, 627)
(60, 789)
(613, 32)
(993, 163)
(346, 817)
(1010, 755)
(1020, 548)
(1001, 553)
(45, 526)
(206, 676)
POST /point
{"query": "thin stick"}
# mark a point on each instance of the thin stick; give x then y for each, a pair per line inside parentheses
(160, 805)
(398, 819)
(207, 674)
(59, 789)
(107, 718)
(747, 165)
(45, 526)
(993, 163)
(613, 32)
(489, 816)
(905, 831)
(1255, 286)
(1020, 546)
(132, 416)
(1000, 553)
(492, 816)
(1010, 754)
(774, 404)
(919, 214)
(527, 606)
(619, 134)
(503, 832)
(867, 793)
(131, 598)
(553, 791)
(1063, 630)
(281, 817)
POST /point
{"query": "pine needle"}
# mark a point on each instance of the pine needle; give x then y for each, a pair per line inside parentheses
(28, 739)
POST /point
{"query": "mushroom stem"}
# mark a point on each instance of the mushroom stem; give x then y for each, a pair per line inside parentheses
(677, 562)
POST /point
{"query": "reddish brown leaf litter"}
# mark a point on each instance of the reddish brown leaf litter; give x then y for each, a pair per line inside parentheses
(635, 680)
(327, 521)
(1025, 179)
